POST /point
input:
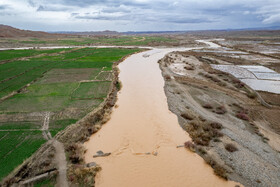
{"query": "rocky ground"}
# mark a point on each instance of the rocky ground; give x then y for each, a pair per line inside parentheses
(224, 118)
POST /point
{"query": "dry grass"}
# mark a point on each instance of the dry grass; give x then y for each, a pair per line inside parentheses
(190, 145)
(242, 115)
(203, 132)
(218, 169)
(189, 67)
(220, 110)
(75, 153)
(82, 176)
(207, 106)
(188, 116)
(167, 77)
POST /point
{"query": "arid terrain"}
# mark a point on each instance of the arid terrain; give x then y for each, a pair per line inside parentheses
(140, 108)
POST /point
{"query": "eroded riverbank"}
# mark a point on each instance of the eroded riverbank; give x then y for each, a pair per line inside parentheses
(142, 134)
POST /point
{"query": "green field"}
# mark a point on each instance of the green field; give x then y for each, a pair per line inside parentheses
(92, 90)
(16, 147)
(65, 85)
(94, 40)
(12, 54)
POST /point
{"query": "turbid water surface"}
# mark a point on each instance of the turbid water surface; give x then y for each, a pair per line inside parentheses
(143, 135)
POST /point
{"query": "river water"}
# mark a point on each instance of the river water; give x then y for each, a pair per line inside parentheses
(142, 135)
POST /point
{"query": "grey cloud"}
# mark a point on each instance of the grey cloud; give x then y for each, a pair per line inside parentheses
(52, 8)
(116, 9)
(102, 17)
(187, 20)
(32, 3)
(150, 14)
(4, 7)
(109, 3)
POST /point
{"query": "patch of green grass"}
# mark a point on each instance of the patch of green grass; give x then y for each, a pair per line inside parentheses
(20, 81)
(59, 125)
(98, 40)
(92, 90)
(12, 54)
(20, 103)
(53, 89)
(19, 125)
(16, 147)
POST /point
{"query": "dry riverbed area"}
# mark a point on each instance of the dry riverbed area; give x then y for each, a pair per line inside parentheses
(233, 127)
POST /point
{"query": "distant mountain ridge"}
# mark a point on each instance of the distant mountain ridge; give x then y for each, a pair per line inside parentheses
(106, 32)
(10, 32)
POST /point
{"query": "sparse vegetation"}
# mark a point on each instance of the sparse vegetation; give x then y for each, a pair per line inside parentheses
(188, 116)
(220, 110)
(242, 115)
(207, 106)
(218, 169)
(231, 147)
(191, 146)
(202, 132)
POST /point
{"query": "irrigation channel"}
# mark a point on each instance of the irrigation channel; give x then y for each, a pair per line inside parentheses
(142, 134)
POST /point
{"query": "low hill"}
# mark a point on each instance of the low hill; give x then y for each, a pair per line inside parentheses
(11, 32)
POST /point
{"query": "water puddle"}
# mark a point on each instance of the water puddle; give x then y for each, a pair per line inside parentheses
(142, 135)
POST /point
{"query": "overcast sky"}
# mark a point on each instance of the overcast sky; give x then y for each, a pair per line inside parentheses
(138, 15)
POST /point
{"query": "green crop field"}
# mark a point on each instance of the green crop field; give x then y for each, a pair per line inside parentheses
(12, 54)
(63, 85)
(95, 40)
(93, 90)
(16, 147)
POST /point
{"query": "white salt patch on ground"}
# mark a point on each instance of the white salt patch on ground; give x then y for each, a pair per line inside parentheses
(263, 85)
(268, 76)
(236, 71)
(259, 78)
(227, 52)
(260, 69)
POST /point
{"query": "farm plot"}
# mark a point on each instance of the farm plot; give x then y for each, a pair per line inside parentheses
(16, 146)
(96, 40)
(64, 85)
(69, 75)
(13, 54)
(92, 90)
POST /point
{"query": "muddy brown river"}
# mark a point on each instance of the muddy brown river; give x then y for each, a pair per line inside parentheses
(142, 135)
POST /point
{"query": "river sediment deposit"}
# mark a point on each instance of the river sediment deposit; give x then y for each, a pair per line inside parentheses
(142, 134)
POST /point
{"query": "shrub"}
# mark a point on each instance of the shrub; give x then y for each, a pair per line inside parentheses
(167, 77)
(208, 106)
(189, 68)
(187, 116)
(251, 95)
(220, 110)
(201, 150)
(231, 147)
(191, 146)
(242, 115)
(218, 170)
(216, 125)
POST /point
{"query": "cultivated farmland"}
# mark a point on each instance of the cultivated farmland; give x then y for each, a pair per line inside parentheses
(44, 91)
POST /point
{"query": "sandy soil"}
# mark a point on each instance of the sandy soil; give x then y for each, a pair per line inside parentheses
(201, 92)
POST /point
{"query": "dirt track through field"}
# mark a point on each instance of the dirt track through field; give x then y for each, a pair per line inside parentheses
(60, 158)
(61, 163)
(142, 135)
